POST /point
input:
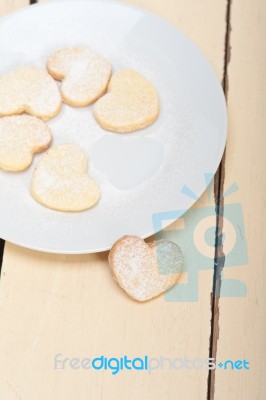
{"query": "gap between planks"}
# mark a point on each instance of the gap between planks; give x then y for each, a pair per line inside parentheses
(219, 258)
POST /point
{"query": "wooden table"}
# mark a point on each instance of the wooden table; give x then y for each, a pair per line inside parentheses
(53, 304)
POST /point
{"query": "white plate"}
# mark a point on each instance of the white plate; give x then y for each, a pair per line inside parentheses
(140, 173)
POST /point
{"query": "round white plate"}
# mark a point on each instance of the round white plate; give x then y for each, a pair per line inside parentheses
(140, 173)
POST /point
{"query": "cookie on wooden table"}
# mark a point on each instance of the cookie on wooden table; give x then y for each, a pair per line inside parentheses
(145, 271)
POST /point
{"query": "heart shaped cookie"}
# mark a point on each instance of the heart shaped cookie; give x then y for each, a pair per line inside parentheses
(85, 75)
(144, 270)
(30, 90)
(21, 137)
(60, 180)
(130, 104)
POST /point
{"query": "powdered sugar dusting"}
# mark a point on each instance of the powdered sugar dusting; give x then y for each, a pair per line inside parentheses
(135, 266)
(131, 104)
(60, 180)
(20, 138)
(31, 90)
(85, 74)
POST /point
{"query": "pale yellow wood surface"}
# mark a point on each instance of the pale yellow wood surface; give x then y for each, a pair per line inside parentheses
(53, 304)
(243, 320)
(6, 6)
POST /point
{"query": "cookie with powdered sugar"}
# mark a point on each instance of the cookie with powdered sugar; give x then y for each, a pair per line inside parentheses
(145, 271)
(83, 72)
(21, 137)
(61, 182)
(29, 90)
(131, 103)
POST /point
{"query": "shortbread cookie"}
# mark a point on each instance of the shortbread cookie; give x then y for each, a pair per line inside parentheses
(130, 104)
(21, 137)
(30, 90)
(144, 270)
(60, 180)
(85, 75)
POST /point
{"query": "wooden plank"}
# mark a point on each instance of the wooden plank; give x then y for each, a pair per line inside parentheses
(242, 319)
(69, 304)
(8, 6)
